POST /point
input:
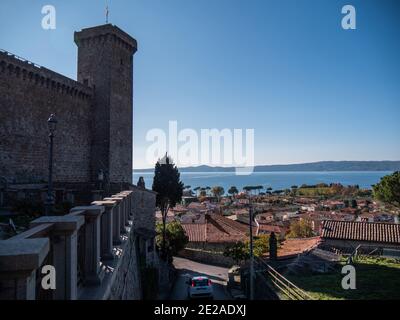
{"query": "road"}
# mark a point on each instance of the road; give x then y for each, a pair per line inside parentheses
(187, 268)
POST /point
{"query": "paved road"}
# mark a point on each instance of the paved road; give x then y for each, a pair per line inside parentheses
(187, 268)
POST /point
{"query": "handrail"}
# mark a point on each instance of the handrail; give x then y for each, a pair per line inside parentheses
(35, 232)
(291, 290)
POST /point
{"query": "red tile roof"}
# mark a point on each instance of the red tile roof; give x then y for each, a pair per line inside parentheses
(295, 246)
(195, 231)
(361, 231)
(217, 229)
(221, 229)
(269, 228)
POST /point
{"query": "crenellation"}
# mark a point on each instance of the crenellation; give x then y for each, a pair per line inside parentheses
(42, 76)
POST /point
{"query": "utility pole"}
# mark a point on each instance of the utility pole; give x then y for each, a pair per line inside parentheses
(251, 250)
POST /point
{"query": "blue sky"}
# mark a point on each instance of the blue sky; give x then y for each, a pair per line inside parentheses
(311, 90)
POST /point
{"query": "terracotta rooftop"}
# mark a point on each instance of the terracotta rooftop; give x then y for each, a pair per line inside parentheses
(361, 231)
(270, 228)
(217, 229)
(197, 232)
(296, 246)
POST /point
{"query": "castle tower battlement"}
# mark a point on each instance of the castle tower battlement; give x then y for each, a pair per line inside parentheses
(105, 62)
(14, 66)
(94, 114)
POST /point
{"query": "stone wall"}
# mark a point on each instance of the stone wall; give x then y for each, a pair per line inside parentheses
(126, 284)
(208, 246)
(144, 208)
(28, 95)
(207, 257)
(166, 277)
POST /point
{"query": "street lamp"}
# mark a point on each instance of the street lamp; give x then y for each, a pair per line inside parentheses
(52, 125)
(100, 178)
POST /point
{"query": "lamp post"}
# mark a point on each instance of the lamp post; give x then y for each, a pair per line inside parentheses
(52, 125)
(100, 178)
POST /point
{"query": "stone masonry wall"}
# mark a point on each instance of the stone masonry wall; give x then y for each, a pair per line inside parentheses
(208, 257)
(105, 61)
(126, 285)
(28, 95)
(144, 208)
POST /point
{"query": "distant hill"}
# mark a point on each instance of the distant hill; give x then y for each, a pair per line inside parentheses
(313, 166)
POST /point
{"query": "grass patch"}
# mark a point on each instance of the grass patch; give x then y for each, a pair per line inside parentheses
(313, 192)
(376, 279)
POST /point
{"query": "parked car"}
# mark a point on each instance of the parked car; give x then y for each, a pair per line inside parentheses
(200, 287)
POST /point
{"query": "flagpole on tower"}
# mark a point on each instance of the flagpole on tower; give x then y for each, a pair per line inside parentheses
(107, 11)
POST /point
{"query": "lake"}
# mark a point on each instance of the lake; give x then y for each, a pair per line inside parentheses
(275, 180)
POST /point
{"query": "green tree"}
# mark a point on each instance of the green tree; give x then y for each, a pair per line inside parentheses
(273, 246)
(169, 190)
(141, 183)
(237, 251)
(175, 237)
(388, 189)
(247, 188)
(240, 251)
(203, 192)
(217, 192)
(301, 229)
(233, 191)
(260, 245)
(259, 188)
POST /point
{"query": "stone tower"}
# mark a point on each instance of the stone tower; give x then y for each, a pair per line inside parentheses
(105, 63)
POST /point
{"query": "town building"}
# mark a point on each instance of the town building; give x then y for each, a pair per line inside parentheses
(366, 236)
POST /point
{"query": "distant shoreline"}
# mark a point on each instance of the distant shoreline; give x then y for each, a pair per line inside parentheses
(322, 166)
(276, 180)
(149, 171)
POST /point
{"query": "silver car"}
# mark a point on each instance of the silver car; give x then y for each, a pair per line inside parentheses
(200, 287)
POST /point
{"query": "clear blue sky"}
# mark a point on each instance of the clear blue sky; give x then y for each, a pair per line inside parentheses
(311, 90)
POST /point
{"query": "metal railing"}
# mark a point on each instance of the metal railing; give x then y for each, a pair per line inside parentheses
(288, 288)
